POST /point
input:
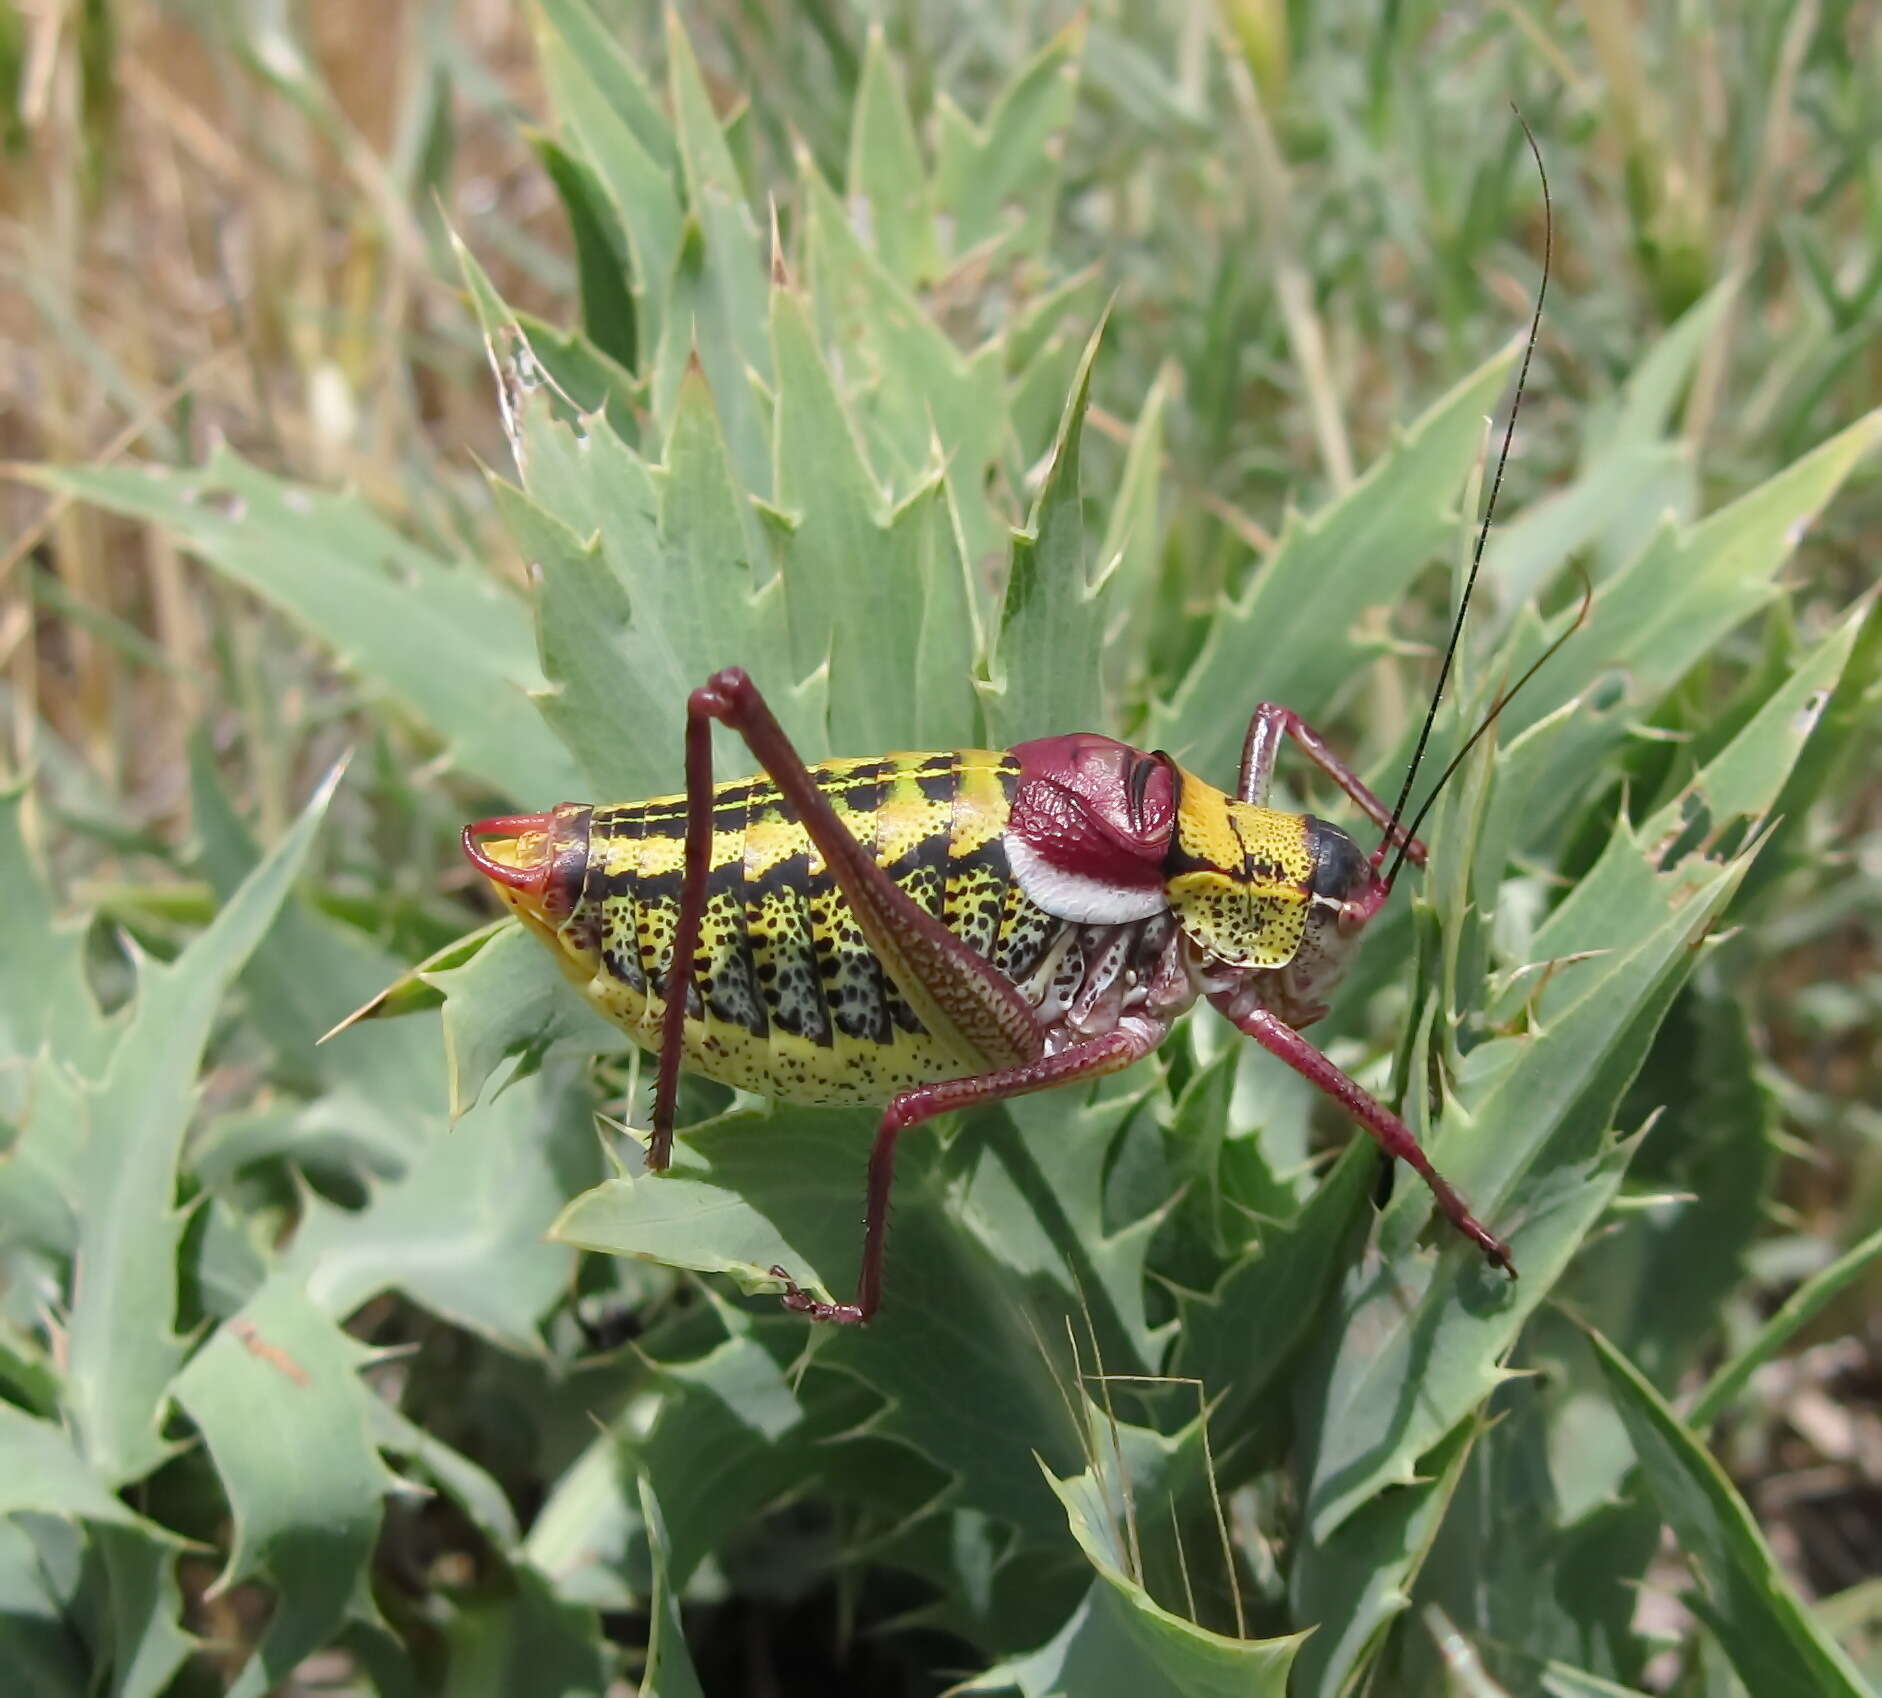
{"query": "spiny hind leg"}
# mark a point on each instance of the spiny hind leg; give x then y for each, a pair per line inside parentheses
(958, 995)
(1108, 1054)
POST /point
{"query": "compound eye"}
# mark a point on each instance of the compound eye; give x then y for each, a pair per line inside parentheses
(1150, 794)
(1340, 870)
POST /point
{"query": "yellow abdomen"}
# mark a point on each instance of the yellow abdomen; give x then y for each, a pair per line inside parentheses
(787, 997)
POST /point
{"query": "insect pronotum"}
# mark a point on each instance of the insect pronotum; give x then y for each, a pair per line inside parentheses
(950, 929)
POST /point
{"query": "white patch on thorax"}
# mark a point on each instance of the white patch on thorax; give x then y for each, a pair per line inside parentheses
(1075, 896)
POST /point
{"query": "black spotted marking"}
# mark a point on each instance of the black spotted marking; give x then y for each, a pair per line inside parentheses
(921, 872)
(978, 877)
(865, 773)
(857, 803)
(780, 952)
(1026, 934)
(724, 973)
(614, 898)
(854, 984)
(938, 778)
(784, 952)
(656, 913)
(616, 928)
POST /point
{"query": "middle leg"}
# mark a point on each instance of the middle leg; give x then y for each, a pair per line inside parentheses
(1108, 1054)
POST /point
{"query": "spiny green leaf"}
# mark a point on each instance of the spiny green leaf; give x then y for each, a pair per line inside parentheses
(148, 1639)
(1290, 636)
(616, 127)
(440, 639)
(1659, 1282)
(736, 1431)
(1634, 472)
(462, 1232)
(868, 590)
(1242, 1337)
(45, 995)
(1351, 1587)
(573, 27)
(669, 1672)
(888, 184)
(588, 1540)
(671, 588)
(1041, 351)
(1843, 728)
(43, 1589)
(1043, 1190)
(584, 619)
(998, 183)
(122, 1349)
(42, 1471)
(911, 390)
(1053, 618)
(1132, 550)
(453, 1473)
(42, 1169)
(601, 252)
(1531, 1148)
(718, 309)
(1516, 1565)
(53, 1035)
(308, 973)
(974, 1294)
(1774, 1643)
(1742, 782)
(510, 1001)
(1653, 620)
(1120, 1643)
(277, 1396)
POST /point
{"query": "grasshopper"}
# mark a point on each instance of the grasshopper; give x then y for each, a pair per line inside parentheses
(950, 929)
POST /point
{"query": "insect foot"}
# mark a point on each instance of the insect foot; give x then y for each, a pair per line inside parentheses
(798, 1302)
(1497, 1254)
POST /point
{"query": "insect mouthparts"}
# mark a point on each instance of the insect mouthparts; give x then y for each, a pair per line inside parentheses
(540, 856)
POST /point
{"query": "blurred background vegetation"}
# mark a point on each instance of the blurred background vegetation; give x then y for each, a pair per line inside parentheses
(230, 221)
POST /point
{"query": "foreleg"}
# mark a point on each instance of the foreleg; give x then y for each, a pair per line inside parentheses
(1393, 1135)
(1270, 724)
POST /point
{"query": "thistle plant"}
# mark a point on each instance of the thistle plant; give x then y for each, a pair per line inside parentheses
(1172, 1393)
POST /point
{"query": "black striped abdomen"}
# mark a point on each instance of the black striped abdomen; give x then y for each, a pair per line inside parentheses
(787, 997)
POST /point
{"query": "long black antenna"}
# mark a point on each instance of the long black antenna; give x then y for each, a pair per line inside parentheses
(1483, 532)
(1496, 707)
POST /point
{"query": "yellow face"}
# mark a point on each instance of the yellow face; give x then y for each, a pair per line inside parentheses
(1241, 877)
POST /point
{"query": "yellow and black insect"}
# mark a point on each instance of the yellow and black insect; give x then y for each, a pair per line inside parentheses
(943, 930)
(788, 999)
(946, 929)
